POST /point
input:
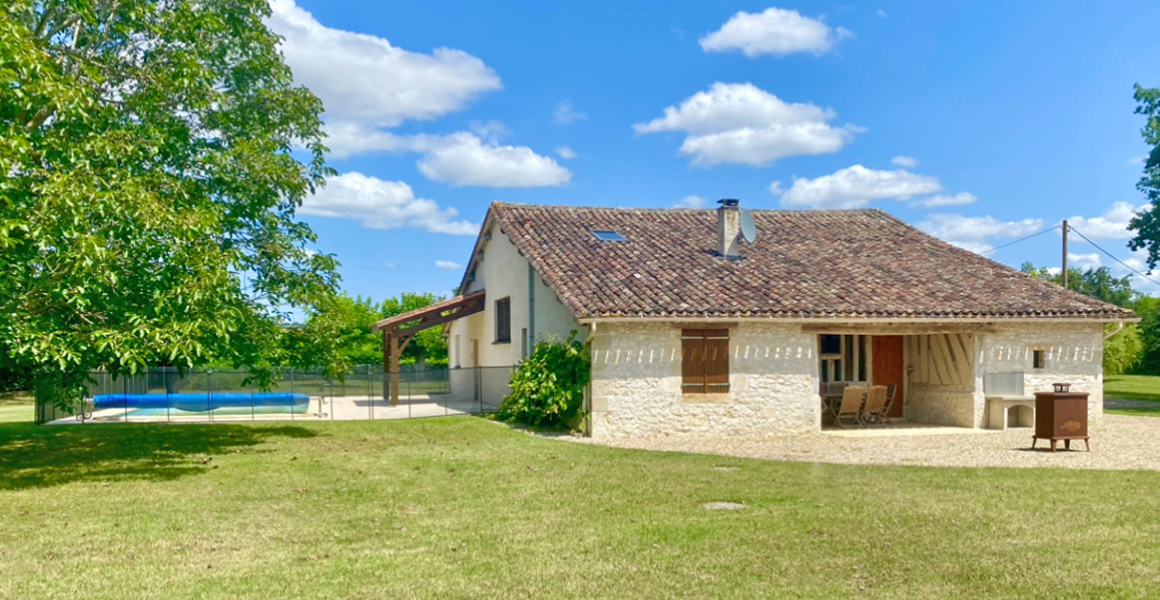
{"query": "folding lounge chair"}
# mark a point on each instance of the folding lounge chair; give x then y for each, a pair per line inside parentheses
(875, 405)
(851, 406)
(891, 392)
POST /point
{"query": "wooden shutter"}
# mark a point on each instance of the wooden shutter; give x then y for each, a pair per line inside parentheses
(503, 320)
(705, 361)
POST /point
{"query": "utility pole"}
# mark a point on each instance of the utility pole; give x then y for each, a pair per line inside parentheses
(1065, 254)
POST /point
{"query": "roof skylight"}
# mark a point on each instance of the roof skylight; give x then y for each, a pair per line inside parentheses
(608, 236)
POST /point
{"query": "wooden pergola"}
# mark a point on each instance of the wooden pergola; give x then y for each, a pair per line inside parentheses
(399, 330)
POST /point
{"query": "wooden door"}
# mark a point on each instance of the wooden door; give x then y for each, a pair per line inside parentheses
(888, 368)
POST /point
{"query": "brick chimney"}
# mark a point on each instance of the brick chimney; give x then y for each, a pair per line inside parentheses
(728, 228)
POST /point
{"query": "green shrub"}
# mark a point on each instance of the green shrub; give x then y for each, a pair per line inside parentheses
(548, 386)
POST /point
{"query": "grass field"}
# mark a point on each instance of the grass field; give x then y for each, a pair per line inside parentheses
(466, 508)
(1134, 387)
(16, 407)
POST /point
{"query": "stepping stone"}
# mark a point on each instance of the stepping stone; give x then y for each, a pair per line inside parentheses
(722, 506)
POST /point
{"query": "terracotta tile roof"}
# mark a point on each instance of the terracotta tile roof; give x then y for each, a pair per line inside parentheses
(813, 263)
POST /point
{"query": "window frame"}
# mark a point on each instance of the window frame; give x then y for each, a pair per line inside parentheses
(1038, 359)
(850, 364)
(608, 235)
(704, 362)
(500, 316)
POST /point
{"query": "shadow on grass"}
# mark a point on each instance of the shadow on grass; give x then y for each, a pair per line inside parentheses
(43, 456)
(1135, 411)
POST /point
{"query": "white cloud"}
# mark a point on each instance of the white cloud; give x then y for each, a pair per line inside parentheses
(857, 186)
(363, 79)
(446, 264)
(462, 159)
(959, 199)
(775, 189)
(346, 139)
(491, 131)
(565, 152)
(973, 233)
(741, 123)
(389, 265)
(1137, 160)
(382, 204)
(906, 162)
(1083, 261)
(775, 31)
(881, 13)
(691, 202)
(1112, 225)
(566, 115)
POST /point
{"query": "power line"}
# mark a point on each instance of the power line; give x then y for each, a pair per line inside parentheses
(1110, 255)
(1022, 239)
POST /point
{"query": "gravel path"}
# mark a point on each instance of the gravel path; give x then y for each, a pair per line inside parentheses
(1122, 442)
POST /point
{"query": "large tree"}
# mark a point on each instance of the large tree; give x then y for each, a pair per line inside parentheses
(147, 164)
(349, 321)
(1147, 222)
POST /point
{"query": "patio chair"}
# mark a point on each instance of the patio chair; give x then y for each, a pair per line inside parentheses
(851, 406)
(891, 392)
(875, 405)
(831, 392)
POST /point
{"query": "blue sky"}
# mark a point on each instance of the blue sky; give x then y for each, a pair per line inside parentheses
(980, 123)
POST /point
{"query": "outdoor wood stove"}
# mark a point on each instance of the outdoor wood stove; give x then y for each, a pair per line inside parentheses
(1061, 415)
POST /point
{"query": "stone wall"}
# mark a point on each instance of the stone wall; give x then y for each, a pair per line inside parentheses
(943, 405)
(953, 405)
(1073, 353)
(636, 383)
(636, 379)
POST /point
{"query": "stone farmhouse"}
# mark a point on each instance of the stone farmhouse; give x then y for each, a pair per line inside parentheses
(694, 330)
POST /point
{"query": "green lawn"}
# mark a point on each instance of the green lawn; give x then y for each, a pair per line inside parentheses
(1134, 387)
(16, 407)
(466, 508)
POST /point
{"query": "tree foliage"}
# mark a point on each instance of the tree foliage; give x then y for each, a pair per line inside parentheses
(1124, 351)
(145, 165)
(1099, 283)
(1146, 224)
(350, 319)
(548, 386)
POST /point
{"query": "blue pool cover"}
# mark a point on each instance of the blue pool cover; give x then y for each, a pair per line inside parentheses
(203, 402)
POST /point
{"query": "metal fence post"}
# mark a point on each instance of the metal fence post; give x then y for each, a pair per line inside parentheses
(292, 394)
(209, 388)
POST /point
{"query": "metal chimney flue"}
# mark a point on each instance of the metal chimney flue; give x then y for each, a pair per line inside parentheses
(729, 228)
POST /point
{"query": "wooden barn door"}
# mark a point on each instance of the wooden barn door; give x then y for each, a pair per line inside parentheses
(887, 367)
